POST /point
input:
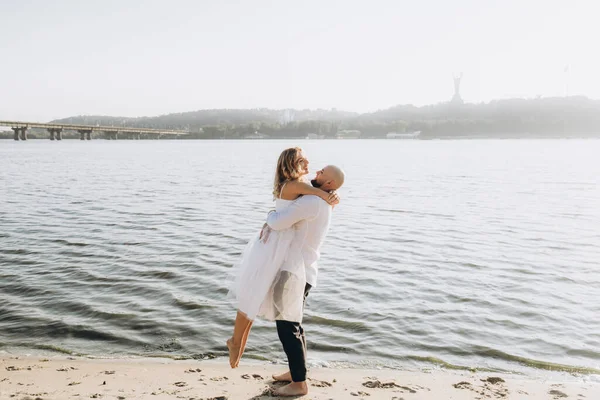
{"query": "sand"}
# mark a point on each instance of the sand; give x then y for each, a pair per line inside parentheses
(143, 378)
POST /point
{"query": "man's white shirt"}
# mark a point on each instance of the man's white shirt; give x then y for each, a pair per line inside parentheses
(312, 216)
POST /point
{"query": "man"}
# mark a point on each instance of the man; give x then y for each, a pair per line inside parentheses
(313, 215)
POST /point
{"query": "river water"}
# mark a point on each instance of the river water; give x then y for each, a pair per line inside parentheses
(464, 254)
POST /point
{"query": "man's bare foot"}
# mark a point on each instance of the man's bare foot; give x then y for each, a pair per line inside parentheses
(287, 377)
(234, 353)
(293, 389)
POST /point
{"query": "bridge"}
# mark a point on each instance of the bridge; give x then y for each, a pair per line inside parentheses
(109, 132)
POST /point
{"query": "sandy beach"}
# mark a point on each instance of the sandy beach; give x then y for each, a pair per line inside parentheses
(31, 378)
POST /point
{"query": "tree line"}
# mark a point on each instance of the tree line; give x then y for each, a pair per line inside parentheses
(558, 116)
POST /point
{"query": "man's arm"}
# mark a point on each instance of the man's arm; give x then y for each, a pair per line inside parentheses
(306, 207)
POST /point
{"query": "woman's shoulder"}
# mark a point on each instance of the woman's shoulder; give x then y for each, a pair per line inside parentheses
(290, 185)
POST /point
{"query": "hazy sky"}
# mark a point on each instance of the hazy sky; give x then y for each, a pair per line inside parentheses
(132, 58)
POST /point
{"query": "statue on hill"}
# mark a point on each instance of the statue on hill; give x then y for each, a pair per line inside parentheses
(456, 99)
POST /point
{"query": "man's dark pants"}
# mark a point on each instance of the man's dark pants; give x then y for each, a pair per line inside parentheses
(293, 340)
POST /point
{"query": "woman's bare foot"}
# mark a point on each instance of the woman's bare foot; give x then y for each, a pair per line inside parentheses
(292, 389)
(234, 353)
(286, 377)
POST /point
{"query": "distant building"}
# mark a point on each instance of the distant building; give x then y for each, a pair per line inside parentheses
(256, 135)
(348, 134)
(408, 135)
(287, 117)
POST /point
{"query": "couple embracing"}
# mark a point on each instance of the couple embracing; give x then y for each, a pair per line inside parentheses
(279, 266)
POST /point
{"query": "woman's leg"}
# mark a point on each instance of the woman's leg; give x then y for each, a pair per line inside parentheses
(244, 341)
(237, 343)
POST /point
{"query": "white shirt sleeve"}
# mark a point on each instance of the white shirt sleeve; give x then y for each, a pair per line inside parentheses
(305, 208)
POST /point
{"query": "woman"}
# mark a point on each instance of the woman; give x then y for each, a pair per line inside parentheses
(270, 278)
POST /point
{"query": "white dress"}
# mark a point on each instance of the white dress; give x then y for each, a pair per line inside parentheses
(270, 278)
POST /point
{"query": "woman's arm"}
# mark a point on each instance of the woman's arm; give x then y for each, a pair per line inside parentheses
(294, 189)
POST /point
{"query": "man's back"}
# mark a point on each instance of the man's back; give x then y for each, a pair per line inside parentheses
(312, 216)
(317, 229)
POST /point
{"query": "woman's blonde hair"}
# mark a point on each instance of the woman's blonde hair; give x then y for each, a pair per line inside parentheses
(288, 169)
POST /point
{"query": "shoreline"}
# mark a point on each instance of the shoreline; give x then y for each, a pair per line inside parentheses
(62, 377)
(529, 368)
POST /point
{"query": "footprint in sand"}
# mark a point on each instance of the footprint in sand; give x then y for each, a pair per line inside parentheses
(219, 379)
(557, 394)
(493, 380)
(496, 389)
(359, 393)
(37, 396)
(180, 384)
(65, 369)
(387, 385)
(320, 384)
(255, 376)
(192, 370)
(109, 372)
(492, 387)
(462, 385)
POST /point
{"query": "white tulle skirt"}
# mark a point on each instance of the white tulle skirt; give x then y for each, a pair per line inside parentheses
(269, 280)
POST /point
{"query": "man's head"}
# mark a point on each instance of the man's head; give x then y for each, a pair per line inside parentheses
(329, 178)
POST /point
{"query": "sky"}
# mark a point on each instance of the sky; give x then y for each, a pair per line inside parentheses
(142, 58)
